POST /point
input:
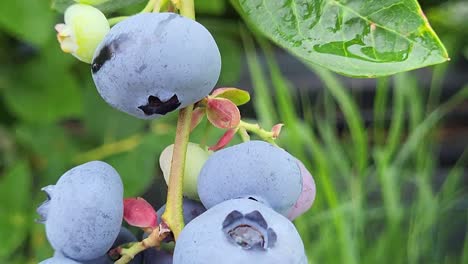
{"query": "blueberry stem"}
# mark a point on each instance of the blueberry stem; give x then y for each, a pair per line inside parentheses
(153, 240)
(149, 6)
(243, 134)
(173, 216)
(256, 129)
(158, 4)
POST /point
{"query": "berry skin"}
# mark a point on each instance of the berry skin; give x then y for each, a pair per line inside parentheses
(254, 169)
(59, 260)
(191, 210)
(196, 157)
(154, 63)
(239, 231)
(307, 197)
(84, 28)
(84, 211)
(125, 236)
(153, 256)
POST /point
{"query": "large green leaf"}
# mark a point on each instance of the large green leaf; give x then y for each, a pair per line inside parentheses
(50, 146)
(363, 38)
(110, 6)
(28, 20)
(138, 167)
(44, 90)
(15, 207)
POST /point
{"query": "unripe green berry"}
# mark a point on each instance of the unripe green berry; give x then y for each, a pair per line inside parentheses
(195, 159)
(85, 27)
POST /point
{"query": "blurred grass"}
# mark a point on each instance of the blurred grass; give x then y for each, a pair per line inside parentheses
(377, 198)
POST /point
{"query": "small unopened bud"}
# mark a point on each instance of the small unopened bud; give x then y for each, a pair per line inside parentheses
(83, 30)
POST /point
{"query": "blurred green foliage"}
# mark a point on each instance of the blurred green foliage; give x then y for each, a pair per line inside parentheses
(376, 201)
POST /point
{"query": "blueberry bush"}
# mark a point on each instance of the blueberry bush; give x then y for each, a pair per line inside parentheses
(132, 105)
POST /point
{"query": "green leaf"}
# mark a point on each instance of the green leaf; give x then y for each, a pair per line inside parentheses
(103, 122)
(361, 38)
(107, 7)
(138, 167)
(15, 207)
(44, 90)
(210, 7)
(51, 148)
(31, 21)
(237, 96)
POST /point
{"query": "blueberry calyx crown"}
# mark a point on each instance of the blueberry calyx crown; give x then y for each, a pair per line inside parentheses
(249, 231)
(156, 106)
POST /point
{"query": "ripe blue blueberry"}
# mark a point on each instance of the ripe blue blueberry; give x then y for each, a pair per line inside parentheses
(84, 211)
(254, 169)
(124, 237)
(153, 63)
(239, 231)
(58, 259)
(154, 256)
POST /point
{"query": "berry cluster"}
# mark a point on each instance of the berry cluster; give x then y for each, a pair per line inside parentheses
(239, 201)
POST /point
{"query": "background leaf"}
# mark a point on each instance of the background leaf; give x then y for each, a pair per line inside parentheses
(20, 17)
(357, 38)
(44, 88)
(112, 5)
(15, 207)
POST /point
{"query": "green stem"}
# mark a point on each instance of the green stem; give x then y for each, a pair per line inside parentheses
(243, 134)
(173, 216)
(149, 6)
(256, 129)
(153, 240)
(187, 8)
(158, 5)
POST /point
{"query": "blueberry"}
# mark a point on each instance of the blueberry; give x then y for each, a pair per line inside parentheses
(191, 210)
(153, 256)
(254, 169)
(124, 237)
(153, 63)
(307, 197)
(84, 211)
(239, 231)
(58, 259)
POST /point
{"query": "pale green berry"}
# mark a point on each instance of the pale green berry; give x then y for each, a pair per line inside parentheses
(91, 2)
(85, 27)
(195, 159)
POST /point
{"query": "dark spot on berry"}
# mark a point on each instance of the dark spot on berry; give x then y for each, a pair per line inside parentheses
(107, 52)
(156, 106)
